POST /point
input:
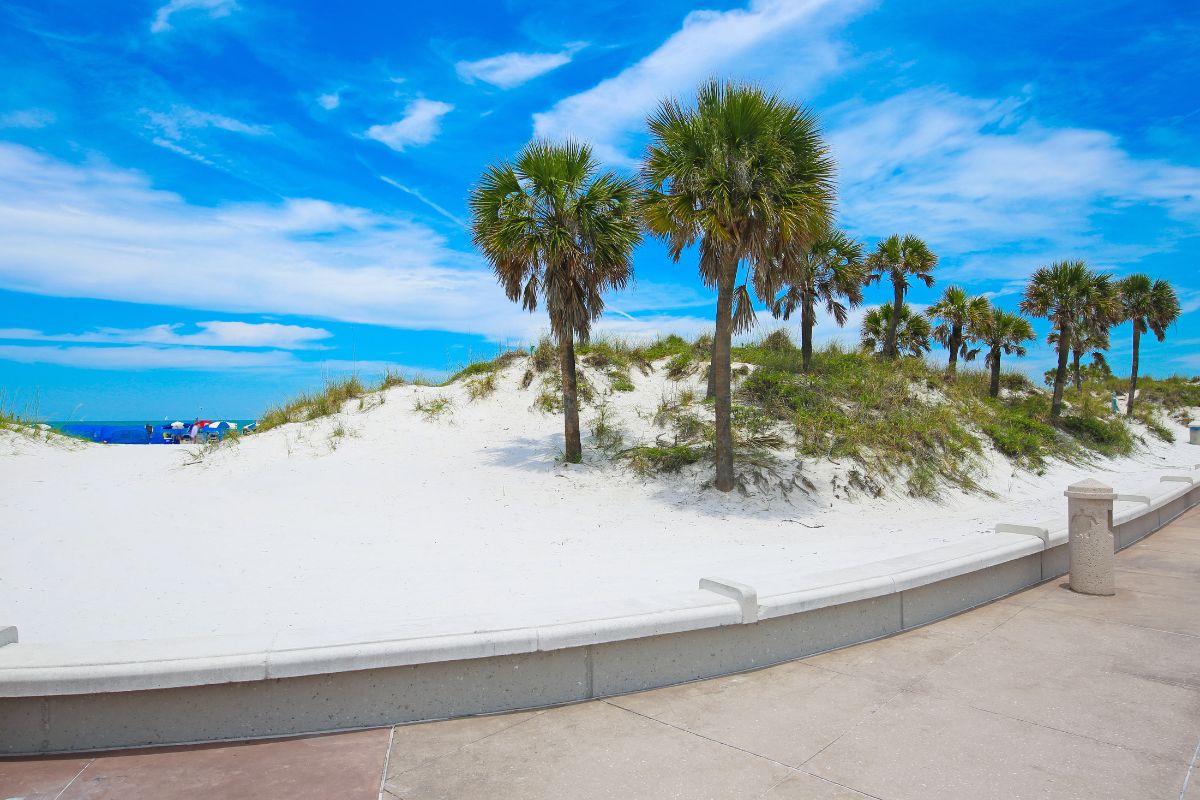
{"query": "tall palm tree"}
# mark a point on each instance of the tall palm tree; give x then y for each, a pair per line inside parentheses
(900, 259)
(1002, 333)
(909, 331)
(747, 175)
(1151, 305)
(557, 232)
(1063, 293)
(956, 311)
(829, 270)
(1089, 334)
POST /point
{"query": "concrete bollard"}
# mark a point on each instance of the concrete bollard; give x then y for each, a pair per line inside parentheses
(1194, 431)
(1090, 537)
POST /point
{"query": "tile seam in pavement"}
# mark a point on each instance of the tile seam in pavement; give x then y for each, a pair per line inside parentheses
(1108, 621)
(835, 783)
(791, 769)
(797, 770)
(698, 735)
(844, 733)
(1187, 776)
(63, 790)
(387, 759)
(1166, 548)
(464, 745)
(1044, 726)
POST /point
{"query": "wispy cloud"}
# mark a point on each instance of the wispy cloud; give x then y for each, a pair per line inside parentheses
(137, 357)
(94, 230)
(413, 192)
(27, 118)
(217, 333)
(175, 123)
(513, 69)
(211, 8)
(329, 101)
(421, 122)
(766, 37)
(981, 178)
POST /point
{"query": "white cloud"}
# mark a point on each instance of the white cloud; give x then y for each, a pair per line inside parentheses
(979, 178)
(27, 118)
(783, 39)
(329, 101)
(421, 122)
(94, 230)
(210, 334)
(174, 124)
(513, 69)
(145, 357)
(213, 8)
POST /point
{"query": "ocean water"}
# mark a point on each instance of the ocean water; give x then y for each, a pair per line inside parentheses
(127, 431)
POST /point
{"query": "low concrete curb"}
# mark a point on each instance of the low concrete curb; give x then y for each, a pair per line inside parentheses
(56, 699)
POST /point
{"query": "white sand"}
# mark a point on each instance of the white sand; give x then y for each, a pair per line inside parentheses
(465, 520)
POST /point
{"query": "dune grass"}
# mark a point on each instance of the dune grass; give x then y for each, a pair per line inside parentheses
(898, 423)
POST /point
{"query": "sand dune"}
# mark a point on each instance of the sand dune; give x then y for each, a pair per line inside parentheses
(383, 517)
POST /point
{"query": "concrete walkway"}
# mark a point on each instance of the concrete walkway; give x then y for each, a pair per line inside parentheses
(1047, 694)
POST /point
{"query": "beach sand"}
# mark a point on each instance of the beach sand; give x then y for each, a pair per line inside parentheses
(383, 519)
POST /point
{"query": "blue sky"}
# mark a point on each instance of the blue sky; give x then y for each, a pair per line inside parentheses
(207, 205)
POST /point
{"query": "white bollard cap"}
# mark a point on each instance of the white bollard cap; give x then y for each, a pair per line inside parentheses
(1090, 489)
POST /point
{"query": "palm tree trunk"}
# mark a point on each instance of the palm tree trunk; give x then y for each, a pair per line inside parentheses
(574, 449)
(1075, 356)
(806, 328)
(955, 344)
(1060, 374)
(723, 395)
(1133, 370)
(994, 388)
(889, 344)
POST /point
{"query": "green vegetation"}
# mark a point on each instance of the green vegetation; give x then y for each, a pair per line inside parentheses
(310, 406)
(433, 407)
(1080, 304)
(901, 260)
(1152, 306)
(560, 232)
(746, 174)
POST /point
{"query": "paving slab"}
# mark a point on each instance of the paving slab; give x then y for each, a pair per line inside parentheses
(1165, 562)
(786, 713)
(314, 767)
(1111, 646)
(1131, 607)
(919, 747)
(803, 786)
(896, 661)
(1071, 693)
(414, 745)
(585, 751)
(39, 779)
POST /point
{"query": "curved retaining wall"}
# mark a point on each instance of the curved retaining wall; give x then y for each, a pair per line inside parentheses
(59, 698)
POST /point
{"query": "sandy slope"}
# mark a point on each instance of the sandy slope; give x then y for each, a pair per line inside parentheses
(468, 518)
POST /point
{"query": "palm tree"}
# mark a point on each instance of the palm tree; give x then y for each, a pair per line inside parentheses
(747, 175)
(557, 232)
(1001, 332)
(1064, 293)
(957, 310)
(900, 258)
(1150, 306)
(1090, 333)
(831, 268)
(909, 331)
